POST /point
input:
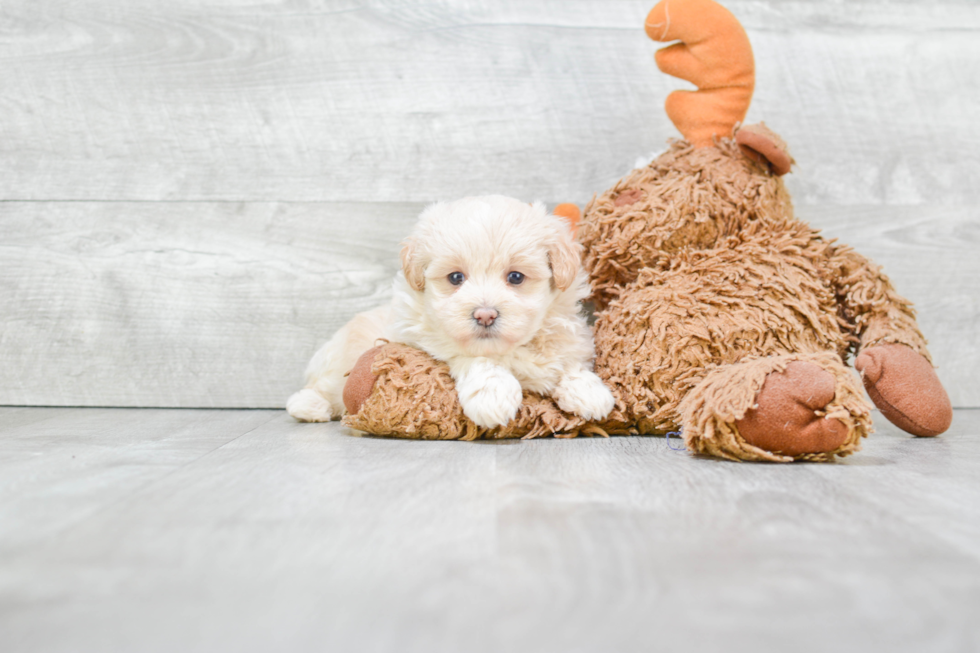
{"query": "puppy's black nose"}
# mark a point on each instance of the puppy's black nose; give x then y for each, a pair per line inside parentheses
(485, 316)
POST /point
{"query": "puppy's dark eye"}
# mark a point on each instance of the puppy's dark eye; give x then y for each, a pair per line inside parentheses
(456, 278)
(515, 278)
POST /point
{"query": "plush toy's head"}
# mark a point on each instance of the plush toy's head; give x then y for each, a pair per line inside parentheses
(721, 180)
(687, 198)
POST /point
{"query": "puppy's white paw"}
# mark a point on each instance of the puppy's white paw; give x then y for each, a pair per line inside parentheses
(584, 394)
(489, 394)
(308, 405)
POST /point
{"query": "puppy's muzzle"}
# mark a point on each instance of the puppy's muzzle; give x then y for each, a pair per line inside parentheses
(485, 316)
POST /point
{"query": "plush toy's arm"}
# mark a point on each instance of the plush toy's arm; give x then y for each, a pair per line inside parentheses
(894, 363)
(401, 391)
(873, 311)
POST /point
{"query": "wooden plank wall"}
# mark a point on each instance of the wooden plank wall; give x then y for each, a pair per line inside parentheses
(195, 193)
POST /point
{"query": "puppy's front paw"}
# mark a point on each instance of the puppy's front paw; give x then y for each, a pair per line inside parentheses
(490, 395)
(308, 405)
(584, 394)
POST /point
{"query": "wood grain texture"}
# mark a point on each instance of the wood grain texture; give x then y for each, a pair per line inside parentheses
(197, 194)
(416, 101)
(182, 304)
(155, 530)
(222, 304)
(65, 465)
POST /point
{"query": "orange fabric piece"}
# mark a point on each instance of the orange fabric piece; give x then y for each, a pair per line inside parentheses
(571, 213)
(715, 55)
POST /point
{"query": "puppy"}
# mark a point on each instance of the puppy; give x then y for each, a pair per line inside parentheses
(491, 286)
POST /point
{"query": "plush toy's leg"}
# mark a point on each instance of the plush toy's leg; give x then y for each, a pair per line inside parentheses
(779, 408)
(893, 359)
(403, 392)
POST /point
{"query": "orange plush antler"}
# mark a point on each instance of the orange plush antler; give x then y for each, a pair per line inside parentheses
(714, 54)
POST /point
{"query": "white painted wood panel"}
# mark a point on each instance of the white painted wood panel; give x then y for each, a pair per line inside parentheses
(222, 304)
(154, 530)
(196, 194)
(416, 101)
(182, 304)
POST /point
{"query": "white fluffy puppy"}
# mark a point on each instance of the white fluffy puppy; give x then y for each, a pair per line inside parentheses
(491, 286)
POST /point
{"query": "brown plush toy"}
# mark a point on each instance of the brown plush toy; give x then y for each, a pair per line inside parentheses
(719, 314)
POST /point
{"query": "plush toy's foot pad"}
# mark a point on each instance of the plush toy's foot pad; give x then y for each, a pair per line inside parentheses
(360, 381)
(905, 388)
(780, 408)
(788, 416)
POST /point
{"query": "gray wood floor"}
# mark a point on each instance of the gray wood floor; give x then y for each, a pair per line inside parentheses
(208, 530)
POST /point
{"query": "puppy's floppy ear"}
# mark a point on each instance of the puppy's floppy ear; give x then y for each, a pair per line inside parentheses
(412, 265)
(565, 257)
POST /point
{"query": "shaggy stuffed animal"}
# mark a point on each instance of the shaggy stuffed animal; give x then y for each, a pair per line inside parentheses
(719, 314)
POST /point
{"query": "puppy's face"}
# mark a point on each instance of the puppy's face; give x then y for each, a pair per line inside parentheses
(489, 268)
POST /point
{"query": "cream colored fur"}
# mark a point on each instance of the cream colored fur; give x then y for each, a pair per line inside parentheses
(538, 342)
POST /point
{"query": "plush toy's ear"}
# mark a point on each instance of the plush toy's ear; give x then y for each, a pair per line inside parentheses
(764, 146)
(565, 256)
(412, 265)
